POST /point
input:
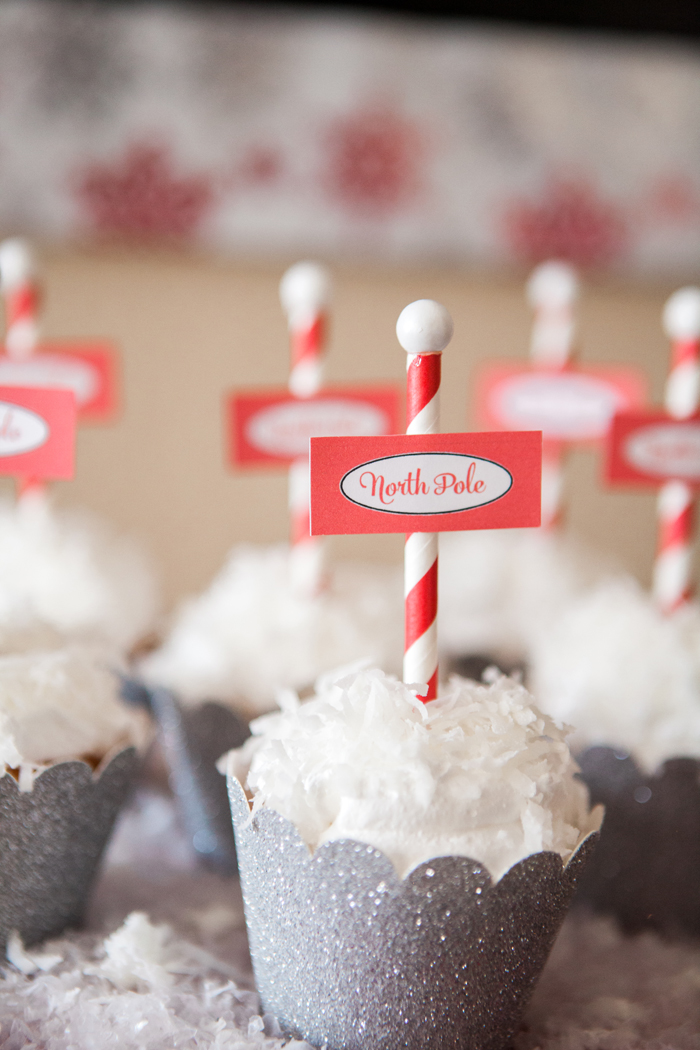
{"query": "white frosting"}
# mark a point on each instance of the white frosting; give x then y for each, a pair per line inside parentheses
(255, 630)
(61, 704)
(624, 674)
(480, 772)
(71, 573)
(501, 589)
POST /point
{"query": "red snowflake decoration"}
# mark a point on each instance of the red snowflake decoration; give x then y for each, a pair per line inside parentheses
(572, 223)
(142, 196)
(373, 160)
(673, 200)
(261, 166)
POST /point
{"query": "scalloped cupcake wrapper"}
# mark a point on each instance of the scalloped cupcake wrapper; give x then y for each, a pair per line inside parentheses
(193, 739)
(51, 841)
(349, 956)
(645, 871)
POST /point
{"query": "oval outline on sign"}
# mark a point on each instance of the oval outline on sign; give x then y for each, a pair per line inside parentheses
(372, 420)
(42, 430)
(565, 389)
(426, 513)
(640, 455)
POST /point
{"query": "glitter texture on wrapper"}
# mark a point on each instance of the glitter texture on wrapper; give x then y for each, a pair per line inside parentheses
(347, 955)
(645, 871)
(51, 841)
(193, 738)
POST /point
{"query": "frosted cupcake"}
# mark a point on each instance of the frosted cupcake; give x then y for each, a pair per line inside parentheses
(262, 627)
(405, 867)
(628, 678)
(68, 751)
(71, 574)
(259, 629)
(501, 590)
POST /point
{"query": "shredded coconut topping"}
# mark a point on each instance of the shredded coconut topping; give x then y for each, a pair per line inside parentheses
(59, 705)
(624, 674)
(500, 590)
(255, 630)
(480, 772)
(73, 574)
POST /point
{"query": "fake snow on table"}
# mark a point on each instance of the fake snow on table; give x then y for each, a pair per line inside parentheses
(478, 773)
(600, 990)
(499, 590)
(140, 987)
(258, 629)
(623, 674)
(71, 573)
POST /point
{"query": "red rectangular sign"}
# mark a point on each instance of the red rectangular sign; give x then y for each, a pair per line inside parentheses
(649, 448)
(37, 432)
(425, 483)
(574, 405)
(272, 428)
(89, 369)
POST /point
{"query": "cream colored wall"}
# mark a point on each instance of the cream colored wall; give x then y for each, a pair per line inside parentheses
(191, 328)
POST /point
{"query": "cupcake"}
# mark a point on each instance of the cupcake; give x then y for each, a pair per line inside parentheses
(405, 867)
(501, 590)
(71, 575)
(628, 677)
(258, 629)
(68, 748)
(261, 628)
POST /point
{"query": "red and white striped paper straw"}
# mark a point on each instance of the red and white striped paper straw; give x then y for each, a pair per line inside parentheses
(305, 293)
(20, 293)
(552, 291)
(21, 297)
(672, 584)
(424, 329)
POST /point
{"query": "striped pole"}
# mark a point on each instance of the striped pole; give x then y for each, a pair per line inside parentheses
(672, 582)
(305, 293)
(21, 297)
(552, 291)
(424, 329)
(20, 293)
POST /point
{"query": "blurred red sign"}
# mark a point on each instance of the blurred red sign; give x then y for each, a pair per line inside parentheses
(88, 369)
(37, 432)
(273, 428)
(574, 405)
(648, 448)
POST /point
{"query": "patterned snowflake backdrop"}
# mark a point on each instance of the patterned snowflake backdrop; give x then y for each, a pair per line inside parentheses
(250, 131)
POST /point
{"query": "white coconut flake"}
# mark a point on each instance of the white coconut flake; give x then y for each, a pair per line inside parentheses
(70, 573)
(500, 590)
(480, 772)
(29, 962)
(138, 954)
(256, 631)
(624, 674)
(62, 704)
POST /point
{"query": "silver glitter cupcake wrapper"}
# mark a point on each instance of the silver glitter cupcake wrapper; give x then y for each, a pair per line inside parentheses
(193, 738)
(646, 868)
(349, 956)
(51, 841)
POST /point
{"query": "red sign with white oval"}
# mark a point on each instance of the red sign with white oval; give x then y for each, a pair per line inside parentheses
(272, 428)
(648, 448)
(574, 405)
(37, 433)
(88, 369)
(425, 483)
